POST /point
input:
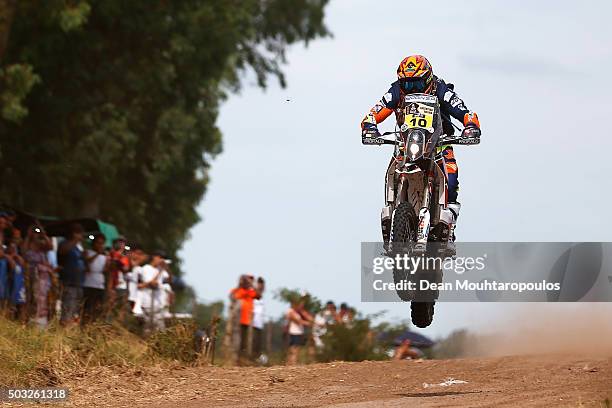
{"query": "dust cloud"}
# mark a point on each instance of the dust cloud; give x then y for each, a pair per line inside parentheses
(543, 328)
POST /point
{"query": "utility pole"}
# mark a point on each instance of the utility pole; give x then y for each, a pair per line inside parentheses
(228, 340)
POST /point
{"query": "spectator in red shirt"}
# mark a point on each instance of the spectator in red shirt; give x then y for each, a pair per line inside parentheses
(117, 289)
(245, 293)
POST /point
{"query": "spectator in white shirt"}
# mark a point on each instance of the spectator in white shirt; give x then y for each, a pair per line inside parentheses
(258, 320)
(297, 318)
(167, 293)
(322, 320)
(94, 284)
(138, 257)
(151, 293)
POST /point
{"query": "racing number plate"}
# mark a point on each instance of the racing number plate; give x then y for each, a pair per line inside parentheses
(419, 115)
(419, 111)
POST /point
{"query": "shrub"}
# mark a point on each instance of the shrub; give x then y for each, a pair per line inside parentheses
(354, 342)
(175, 343)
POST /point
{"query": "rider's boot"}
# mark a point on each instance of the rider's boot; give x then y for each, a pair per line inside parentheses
(449, 216)
(385, 225)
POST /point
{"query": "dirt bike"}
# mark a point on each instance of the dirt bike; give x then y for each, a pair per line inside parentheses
(416, 188)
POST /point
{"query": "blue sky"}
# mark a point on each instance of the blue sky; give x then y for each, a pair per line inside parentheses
(295, 193)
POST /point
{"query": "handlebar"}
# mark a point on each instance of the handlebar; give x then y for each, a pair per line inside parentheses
(453, 140)
(444, 140)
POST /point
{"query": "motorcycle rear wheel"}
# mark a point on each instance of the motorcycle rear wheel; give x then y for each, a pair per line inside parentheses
(422, 313)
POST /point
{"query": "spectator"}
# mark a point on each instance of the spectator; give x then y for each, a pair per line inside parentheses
(40, 271)
(258, 319)
(117, 284)
(352, 312)
(245, 293)
(5, 269)
(326, 317)
(17, 287)
(4, 227)
(404, 350)
(54, 290)
(94, 283)
(151, 293)
(137, 258)
(344, 316)
(167, 296)
(297, 319)
(330, 313)
(72, 264)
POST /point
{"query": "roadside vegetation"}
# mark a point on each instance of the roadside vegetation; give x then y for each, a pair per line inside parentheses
(33, 357)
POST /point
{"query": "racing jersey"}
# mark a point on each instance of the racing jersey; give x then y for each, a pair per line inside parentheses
(450, 105)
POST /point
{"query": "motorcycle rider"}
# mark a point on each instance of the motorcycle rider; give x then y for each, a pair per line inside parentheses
(415, 75)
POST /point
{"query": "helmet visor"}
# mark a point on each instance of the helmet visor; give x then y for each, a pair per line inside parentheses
(413, 85)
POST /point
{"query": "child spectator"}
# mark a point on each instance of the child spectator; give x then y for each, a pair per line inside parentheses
(94, 284)
(72, 264)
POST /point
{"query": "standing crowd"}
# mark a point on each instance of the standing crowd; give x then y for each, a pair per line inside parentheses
(301, 328)
(79, 277)
(298, 318)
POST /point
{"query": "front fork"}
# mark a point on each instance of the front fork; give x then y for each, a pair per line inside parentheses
(424, 224)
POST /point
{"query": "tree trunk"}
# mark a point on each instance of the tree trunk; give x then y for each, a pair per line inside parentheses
(7, 11)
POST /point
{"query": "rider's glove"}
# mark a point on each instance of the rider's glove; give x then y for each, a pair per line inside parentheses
(471, 132)
(471, 125)
(370, 136)
(471, 118)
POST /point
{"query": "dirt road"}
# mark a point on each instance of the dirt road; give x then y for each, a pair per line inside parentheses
(525, 381)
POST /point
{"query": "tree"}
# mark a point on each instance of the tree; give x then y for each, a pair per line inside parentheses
(116, 116)
(7, 10)
(311, 303)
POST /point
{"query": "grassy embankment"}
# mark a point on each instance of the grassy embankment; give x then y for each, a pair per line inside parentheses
(33, 357)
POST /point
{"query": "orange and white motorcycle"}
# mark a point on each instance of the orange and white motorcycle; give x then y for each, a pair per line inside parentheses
(417, 210)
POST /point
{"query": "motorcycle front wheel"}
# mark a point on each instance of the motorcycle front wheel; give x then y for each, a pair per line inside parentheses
(403, 233)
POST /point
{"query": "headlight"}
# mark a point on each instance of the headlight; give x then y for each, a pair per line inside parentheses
(416, 141)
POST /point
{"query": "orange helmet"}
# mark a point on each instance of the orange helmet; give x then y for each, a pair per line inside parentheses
(415, 74)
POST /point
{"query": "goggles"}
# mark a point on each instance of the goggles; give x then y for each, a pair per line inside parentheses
(413, 85)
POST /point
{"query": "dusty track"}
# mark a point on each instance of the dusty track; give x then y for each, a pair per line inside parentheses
(516, 381)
